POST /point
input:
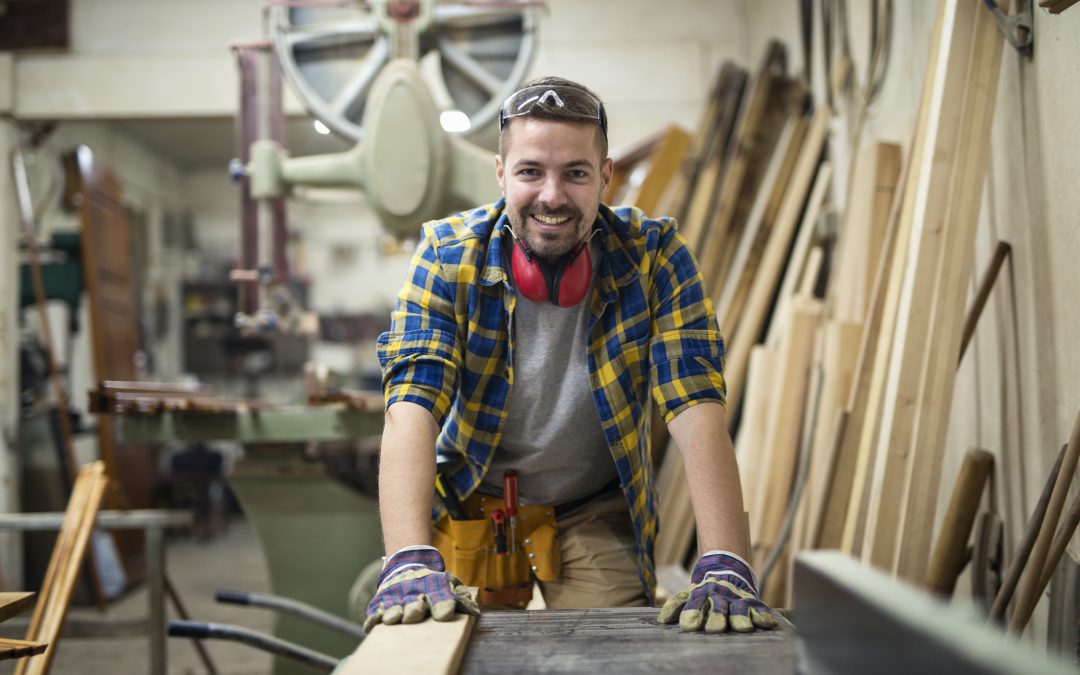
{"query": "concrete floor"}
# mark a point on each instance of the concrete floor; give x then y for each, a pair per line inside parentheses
(232, 559)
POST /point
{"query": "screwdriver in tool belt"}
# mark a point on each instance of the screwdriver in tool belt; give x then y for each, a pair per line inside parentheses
(510, 498)
(498, 520)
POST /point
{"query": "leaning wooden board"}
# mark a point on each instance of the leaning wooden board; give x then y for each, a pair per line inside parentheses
(13, 604)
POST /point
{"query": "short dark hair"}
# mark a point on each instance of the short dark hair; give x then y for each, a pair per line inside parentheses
(544, 109)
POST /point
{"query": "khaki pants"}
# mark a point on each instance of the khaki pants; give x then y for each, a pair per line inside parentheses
(599, 558)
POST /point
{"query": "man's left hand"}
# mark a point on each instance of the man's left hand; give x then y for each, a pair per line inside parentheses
(722, 596)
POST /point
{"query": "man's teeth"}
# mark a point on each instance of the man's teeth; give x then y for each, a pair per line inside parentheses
(549, 220)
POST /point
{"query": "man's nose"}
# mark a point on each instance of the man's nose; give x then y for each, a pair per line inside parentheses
(552, 192)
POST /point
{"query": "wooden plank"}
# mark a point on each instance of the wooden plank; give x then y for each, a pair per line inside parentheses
(704, 181)
(780, 451)
(840, 347)
(748, 144)
(64, 566)
(14, 649)
(753, 429)
(435, 647)
(14, 604)
(664, 163)
(803, 265)
(617, 640)
(844, 517)
(623, 165)
(710, 137)
(922, 372)
(862, 236)
(730, 298)
(765, 282)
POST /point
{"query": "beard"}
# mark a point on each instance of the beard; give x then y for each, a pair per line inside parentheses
(543, 243)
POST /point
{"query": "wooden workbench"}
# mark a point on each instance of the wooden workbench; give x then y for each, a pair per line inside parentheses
(624, 641)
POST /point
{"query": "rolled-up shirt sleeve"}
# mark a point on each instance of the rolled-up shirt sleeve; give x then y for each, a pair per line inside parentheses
(686, 350)
(420, 355)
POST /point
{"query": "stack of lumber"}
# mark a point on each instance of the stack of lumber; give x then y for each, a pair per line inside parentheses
(840, 375)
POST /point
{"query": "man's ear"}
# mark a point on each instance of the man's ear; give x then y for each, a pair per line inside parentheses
(606, 171)
(499, 174)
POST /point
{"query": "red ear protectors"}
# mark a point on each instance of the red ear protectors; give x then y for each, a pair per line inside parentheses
(564, 283)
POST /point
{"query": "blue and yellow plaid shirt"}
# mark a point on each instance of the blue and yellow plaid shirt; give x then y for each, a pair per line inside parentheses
(450, 343)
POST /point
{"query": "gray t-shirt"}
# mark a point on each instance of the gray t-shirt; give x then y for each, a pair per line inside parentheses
(553, 437)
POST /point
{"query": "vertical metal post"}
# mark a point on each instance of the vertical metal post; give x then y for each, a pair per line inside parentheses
(155, 573)
(246, 133)
(277, 206)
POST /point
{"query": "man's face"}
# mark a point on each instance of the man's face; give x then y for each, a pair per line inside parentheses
(553, 178)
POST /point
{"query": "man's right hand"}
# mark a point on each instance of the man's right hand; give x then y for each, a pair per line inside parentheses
(414, 583)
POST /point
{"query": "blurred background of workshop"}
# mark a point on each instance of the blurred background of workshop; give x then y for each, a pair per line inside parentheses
(876, 192)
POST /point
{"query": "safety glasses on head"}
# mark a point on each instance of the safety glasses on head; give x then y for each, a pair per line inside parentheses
(573, 101)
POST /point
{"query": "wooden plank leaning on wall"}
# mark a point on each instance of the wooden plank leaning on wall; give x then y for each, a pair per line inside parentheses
(64, 565)
(922, 371)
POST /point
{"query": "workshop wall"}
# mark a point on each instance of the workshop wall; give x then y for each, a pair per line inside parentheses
(1018, 388)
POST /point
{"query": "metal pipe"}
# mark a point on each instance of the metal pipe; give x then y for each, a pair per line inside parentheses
(294, 607)
(268, 643)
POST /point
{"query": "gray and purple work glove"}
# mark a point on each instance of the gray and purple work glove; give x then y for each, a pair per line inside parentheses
(722, 595)
(414, 582)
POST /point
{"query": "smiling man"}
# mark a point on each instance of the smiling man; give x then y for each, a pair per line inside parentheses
(526, 350)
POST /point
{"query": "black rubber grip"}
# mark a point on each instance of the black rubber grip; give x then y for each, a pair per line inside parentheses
(232, 597)
(189, 629)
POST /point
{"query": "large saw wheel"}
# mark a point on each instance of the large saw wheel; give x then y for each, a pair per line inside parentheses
(472, 56)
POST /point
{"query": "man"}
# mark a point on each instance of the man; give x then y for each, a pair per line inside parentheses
(525, 345)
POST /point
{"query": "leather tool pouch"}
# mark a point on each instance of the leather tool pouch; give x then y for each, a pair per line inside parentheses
(468, 547)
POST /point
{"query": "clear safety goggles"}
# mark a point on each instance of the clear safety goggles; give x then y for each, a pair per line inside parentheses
(575, 101)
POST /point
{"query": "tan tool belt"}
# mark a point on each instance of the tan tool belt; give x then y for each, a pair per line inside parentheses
(468, 547)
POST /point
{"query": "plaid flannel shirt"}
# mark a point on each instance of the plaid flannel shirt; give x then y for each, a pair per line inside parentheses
(450, 344)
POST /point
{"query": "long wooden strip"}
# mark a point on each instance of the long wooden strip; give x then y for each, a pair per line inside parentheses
(765, 282)
(780, 451)
(840, 349)
(64, 566)
(936, 346)
(863, 426)
(746, 146)
(982, 294)
(1023, 550)
(664, 163)
(435, 647)
(863, 233)
(1028, 593)
(706, 179)
(730, 298)
(14, 603)
(14, 649)
(802, 268)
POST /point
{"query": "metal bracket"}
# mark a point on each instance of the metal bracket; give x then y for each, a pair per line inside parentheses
(1018, 28)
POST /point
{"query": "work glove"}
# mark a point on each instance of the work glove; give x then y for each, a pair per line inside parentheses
(413, 583)
(722, 595)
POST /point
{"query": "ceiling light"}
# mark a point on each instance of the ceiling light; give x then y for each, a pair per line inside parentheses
(454, 121)
(320, 127)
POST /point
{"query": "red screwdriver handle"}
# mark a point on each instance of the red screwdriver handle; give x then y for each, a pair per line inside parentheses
(510, 492)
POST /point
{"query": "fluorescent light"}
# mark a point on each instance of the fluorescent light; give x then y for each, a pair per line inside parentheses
(454, 121)
(320, 127)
